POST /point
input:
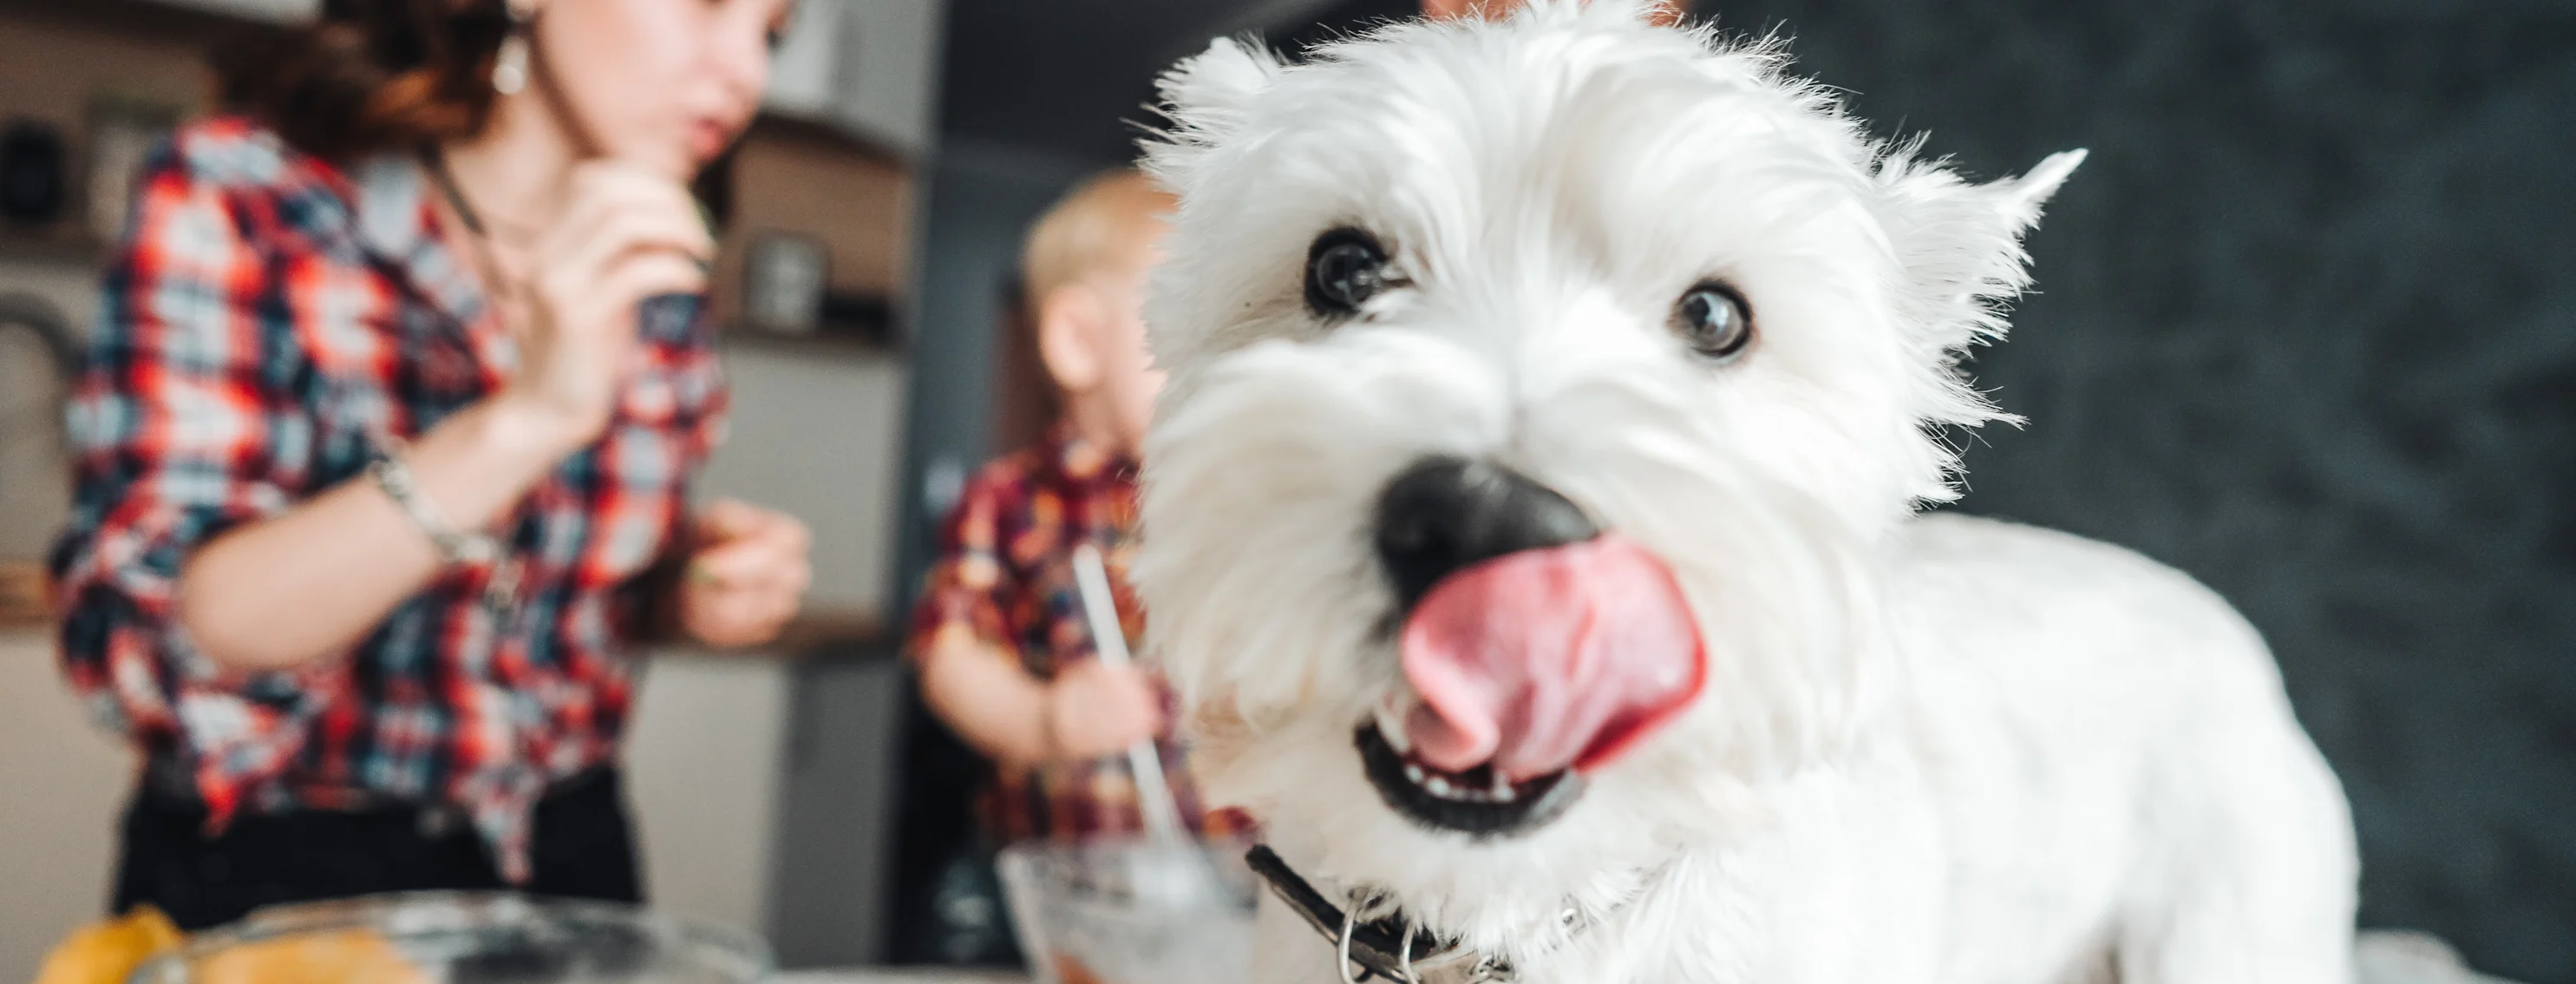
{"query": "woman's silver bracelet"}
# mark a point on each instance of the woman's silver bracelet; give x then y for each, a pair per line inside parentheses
(454, 546)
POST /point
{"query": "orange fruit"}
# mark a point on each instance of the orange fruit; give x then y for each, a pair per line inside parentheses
(1071, 971)
(107, 952)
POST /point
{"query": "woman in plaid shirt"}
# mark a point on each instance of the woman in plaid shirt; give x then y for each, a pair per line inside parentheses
(383, 451)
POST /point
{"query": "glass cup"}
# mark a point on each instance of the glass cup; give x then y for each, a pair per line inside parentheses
(1132, 911)
(461, 938)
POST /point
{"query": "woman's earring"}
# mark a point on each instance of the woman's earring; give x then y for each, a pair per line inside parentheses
(510, 66)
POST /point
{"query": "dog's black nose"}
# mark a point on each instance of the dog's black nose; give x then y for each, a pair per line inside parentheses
(1445, 513)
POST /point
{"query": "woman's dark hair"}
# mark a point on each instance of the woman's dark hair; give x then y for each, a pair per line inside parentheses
(371, 75)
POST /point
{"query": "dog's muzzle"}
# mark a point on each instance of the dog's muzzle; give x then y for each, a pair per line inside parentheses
(1535, 645)
(1440, 516)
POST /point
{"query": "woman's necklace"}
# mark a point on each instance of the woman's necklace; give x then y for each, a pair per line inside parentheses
(436, 163)
(478, 236)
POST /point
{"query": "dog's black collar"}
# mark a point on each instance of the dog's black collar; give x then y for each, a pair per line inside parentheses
(1387, 948)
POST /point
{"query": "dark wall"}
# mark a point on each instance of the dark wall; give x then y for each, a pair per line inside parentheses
(2307, 330)
(946, 906)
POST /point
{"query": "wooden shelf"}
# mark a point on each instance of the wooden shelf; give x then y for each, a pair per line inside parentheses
(853, 199)
(158, 20)
(822, 344)
(771, 125)
(20, 244)
(828, 633)
(22, 595)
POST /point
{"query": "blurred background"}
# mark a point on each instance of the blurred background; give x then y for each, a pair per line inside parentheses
(2306, 330)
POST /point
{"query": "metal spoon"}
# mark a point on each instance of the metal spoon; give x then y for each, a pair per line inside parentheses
(1153, 792)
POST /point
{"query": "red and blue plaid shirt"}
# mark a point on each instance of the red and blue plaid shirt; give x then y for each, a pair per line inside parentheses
(1005, 575)
(269, 323)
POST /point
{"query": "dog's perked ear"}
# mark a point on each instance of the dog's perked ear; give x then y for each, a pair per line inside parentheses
(1203, 97)
(2033, 189)
(1961, 243)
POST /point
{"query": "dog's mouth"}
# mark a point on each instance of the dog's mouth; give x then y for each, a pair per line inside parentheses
(1535, 645)
(1480, 802)
(1525, 672)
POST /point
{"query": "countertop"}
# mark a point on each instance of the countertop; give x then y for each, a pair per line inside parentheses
(897, 975)
(2382, 957)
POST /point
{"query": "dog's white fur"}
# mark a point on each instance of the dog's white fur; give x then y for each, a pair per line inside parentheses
(1932, 749)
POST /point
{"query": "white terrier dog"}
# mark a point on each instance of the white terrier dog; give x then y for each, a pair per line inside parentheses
(1530, 526)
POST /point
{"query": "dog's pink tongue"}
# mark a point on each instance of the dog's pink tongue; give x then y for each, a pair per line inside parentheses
(1549, 659)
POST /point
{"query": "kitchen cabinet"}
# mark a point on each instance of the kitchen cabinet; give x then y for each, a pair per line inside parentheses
(704, 767)
(820, 438)
(38, 348)
(870, 67)
(62, 783)
(764, 790)
(266, 10)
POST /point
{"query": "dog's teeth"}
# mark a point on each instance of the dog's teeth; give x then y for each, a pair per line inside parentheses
(1390, 726)
(1438, 787)
(1502, 787)
(1413, 772)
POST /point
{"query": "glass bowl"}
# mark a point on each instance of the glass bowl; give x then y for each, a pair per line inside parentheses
(461, 938)
(1132, 911)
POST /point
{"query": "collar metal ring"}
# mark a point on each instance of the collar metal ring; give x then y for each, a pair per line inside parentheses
(1342, 947)
(1404, 954)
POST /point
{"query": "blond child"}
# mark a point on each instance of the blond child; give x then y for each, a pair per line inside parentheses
(1005, 655)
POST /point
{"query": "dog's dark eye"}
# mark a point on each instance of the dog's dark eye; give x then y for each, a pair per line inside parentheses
(1344, 269)
(1714, 320)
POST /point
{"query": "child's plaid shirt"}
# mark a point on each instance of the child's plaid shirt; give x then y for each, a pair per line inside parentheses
(1004, 573)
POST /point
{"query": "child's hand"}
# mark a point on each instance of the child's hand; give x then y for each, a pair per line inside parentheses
(746, 576)
(1095, 709)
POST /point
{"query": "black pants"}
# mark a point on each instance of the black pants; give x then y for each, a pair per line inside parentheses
(583, 848)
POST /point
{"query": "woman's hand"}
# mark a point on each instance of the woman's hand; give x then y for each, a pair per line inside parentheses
(746, 575)
(625, 234)
(1096, 709)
